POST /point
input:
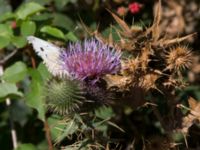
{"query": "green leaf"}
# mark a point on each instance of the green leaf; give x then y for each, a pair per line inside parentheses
(53, 32)
(60, 4)
(41, 2)
(8, 89)
(104, 112)
(28, 28)
(28, 9)
(34, 98)
(27, 147)
(60, 130)
(5, 35)
(70, 36)
(4, 41)
(5, 30)
(67, 23)
(19, 41)
(42, 17)
(45, 74)
(15, 73)
(6, 16)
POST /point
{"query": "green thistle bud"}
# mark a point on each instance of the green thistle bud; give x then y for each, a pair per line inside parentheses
(63, 96)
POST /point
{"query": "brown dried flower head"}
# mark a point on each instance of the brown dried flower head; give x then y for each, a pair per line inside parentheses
(179, 58)
(130, 66)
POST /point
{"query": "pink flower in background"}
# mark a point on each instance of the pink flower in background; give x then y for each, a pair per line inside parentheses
(135, 7)
(122, 11)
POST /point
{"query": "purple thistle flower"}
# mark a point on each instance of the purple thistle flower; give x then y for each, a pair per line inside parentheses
(91, 59)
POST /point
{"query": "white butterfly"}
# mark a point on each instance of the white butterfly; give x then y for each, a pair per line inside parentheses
(50, 54)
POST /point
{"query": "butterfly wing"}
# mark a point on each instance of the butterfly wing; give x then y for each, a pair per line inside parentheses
(50, 54)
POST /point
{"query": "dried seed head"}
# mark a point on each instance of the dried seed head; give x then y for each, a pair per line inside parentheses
(144, 58)
(179, 58)
(130, 66)
(148, 81)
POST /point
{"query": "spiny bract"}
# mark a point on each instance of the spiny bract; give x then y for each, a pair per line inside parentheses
(63, 97)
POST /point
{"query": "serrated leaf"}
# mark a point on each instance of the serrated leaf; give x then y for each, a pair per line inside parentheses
(28, 28)
(15, 73)
(55, 32)
(28, 9)
(8, 89)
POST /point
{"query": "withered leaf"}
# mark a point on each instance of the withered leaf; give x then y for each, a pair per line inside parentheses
(117, 81)
(122, 24)
(193, 116)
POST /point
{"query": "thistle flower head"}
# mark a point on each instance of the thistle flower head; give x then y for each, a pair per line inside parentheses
(91, 59)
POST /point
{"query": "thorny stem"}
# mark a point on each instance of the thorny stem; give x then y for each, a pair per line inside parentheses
(48, 134)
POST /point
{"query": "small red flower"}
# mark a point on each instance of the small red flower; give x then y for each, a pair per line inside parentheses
(13, 24)
(135, 7)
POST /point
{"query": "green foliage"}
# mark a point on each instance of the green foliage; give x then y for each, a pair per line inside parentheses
(15, 73)
(5, 35)
(28, 28)
(9, 89)
(28, 9)
(62, 129)
(53, 32)
(34, 98)
(27, 147)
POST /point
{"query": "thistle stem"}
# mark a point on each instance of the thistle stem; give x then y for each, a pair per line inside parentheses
(46, 125)
(48, 134)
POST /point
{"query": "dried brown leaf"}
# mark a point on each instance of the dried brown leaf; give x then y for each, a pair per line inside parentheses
(122, 24)
(193, 116)
(163, 42)
(117, 81)
(157, 18)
